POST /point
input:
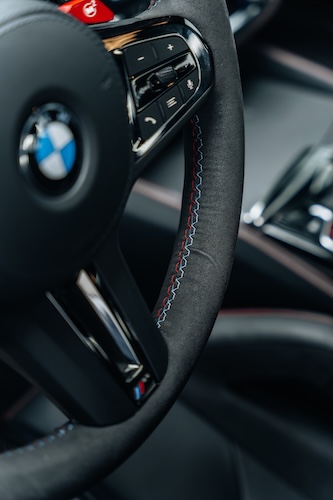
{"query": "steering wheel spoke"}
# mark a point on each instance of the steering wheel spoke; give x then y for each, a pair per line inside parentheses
(91, 346)
(47, 347)
(115, 282)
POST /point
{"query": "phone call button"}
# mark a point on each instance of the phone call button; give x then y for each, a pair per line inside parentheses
(150, 120)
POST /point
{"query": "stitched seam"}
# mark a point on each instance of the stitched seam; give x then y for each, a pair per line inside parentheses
(192, 222)
(40, 443)
(153, 4)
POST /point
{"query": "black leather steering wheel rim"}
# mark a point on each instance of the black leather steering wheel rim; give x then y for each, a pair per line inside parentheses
(75, 457)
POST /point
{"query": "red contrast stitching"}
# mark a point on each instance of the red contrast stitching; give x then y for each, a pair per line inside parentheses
(192, 220)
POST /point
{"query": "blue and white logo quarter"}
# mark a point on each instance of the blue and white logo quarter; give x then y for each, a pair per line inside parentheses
(50, 148)
(55, 150)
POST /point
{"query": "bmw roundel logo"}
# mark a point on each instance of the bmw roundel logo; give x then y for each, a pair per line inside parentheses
(49, 152)
(55, 150)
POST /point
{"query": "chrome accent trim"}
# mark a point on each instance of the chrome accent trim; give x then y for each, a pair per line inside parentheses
(109, 320)
(326, 215)
(242, 17)
(130, 371)
(289, 185)
(254, 216)
(304, 184)
(93, 346)
(294, 240)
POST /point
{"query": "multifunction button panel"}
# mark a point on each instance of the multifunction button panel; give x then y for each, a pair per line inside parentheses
(168, 71)
(163, 76)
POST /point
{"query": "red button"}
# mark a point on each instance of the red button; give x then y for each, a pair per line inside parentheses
(88, 11)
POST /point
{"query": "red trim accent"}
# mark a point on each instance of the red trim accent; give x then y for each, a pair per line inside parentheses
(88, 11)
(142, 387)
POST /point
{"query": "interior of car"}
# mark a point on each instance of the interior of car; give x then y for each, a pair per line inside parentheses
(166, 265)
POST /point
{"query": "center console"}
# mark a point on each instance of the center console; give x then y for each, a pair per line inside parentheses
(298, 210)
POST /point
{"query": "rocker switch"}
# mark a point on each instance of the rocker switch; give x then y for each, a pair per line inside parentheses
(139, 58)
(162, 79)
(168, 47)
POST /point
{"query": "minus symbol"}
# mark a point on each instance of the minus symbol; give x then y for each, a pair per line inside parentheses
(141, 58)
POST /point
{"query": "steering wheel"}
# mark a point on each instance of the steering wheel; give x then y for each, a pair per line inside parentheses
(84, 110)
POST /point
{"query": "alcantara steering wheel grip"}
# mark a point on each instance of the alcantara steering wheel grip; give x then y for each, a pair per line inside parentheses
(84, 111)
